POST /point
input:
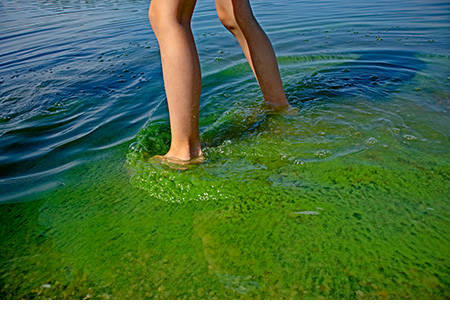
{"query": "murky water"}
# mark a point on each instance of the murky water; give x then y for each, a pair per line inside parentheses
(346, 199)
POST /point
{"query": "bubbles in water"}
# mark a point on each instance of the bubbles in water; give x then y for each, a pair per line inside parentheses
(371, 141)
(136, 147)
(409, 137)
(171, 185)
(299, 162)
(321, 154)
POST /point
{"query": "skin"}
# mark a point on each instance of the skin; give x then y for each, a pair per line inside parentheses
(171, 22)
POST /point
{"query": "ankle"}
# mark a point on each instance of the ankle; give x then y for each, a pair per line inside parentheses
(277, 106)
(186, 151)
(276, 103)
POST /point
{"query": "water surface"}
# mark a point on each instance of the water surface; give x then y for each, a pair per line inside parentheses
(348, 199)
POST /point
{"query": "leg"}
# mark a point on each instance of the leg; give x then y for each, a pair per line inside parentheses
(171, 22)
(237, 17)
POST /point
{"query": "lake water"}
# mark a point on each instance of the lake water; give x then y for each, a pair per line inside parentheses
(348, 199)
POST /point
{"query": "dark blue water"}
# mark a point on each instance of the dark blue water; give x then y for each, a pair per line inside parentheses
(78, 78)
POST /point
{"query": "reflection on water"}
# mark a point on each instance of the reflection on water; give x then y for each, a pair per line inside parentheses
(346, 199)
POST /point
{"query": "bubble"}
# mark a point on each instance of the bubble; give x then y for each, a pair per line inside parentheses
(409, 137)
(322, 153)
(135, 147)
(371, 141)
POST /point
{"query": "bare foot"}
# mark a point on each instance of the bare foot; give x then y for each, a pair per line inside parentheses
(176, 163)
(280, 109)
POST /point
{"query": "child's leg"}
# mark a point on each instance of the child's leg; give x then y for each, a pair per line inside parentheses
(237, 17)
(170, 20)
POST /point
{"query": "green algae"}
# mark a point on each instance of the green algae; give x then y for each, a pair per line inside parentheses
(200, 183)
(153, 139)
(374, 171)
(358, 246)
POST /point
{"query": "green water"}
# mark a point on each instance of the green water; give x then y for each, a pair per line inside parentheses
(347, 199)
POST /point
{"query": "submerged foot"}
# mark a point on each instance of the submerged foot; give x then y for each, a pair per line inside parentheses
(286, 109)
(177, 163)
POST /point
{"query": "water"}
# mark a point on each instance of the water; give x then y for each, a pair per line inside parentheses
(347, 199)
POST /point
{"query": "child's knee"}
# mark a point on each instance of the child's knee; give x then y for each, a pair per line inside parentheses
(163, 16)
(227, 18)
(154, 15)
(234, 15)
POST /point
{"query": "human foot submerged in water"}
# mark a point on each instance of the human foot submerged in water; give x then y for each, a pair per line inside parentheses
(176, 163)
(192, 159)
(286, 109)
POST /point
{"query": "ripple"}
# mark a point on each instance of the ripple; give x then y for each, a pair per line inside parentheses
(345, 111)
(74, 87)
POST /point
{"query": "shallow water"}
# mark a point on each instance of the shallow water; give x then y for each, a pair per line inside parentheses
(346, 199)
